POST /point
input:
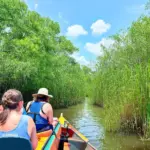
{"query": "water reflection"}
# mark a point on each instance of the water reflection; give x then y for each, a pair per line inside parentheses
(87, 119)
(123, 142)
(84, 119)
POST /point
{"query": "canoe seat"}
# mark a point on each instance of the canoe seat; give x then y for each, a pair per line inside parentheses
(14, 143)
(44, 133)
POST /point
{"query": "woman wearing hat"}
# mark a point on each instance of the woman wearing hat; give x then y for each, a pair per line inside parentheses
(40, 110)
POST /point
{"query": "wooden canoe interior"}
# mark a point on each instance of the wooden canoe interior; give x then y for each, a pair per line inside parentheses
(42, 138)
(57, 140)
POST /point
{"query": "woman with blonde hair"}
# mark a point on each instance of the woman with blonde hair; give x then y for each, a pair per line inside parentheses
(12, 122)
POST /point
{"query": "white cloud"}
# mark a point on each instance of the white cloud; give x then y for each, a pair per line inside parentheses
(83, 62)
(76, 30)
(80, 59)
(96, 49)
(35, 6)
(99, 27)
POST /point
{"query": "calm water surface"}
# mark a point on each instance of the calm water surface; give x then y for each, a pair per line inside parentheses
(87, 119)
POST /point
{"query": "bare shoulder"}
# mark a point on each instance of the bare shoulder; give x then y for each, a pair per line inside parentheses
(28, 104)
(47, 106)
(31, 122)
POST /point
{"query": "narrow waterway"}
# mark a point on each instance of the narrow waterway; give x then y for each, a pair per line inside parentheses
(88, 120)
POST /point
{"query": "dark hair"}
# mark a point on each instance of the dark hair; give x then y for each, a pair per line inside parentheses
(10, 101)
(42, 98)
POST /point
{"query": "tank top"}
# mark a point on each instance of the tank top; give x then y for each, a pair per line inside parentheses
(24, 111)
(20, 131)
(35, 108)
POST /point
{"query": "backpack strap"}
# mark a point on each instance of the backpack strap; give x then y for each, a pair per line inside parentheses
(43, 110)
(29, 107)
(34, 117)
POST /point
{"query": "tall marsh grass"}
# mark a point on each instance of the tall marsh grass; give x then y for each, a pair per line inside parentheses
(122, 80)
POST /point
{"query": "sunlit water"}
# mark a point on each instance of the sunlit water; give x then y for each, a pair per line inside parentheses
(87, 119)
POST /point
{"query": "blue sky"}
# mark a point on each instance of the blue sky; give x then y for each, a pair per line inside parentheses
(89, 23)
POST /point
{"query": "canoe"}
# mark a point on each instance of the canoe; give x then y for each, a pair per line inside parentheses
(63, 137)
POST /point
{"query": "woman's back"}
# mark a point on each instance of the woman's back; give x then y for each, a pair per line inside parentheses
(12, 122)
(16, 126)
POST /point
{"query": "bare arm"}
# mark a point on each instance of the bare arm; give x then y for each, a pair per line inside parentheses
(32, 133)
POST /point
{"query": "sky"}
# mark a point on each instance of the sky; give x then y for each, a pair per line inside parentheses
(90, 23)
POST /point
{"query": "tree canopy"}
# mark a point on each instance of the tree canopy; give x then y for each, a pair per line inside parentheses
(33, 54)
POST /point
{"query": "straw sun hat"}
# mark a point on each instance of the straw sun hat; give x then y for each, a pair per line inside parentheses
(42, 91)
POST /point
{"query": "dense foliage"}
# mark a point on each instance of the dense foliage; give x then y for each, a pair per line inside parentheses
(33, 54)
(122, 80)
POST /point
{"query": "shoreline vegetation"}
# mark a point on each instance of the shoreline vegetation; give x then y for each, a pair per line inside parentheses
(121, 84)
(33, 54)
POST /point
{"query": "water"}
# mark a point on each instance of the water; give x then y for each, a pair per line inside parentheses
(88, 120)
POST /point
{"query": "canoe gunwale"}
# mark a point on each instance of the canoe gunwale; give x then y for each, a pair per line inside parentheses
(55, 139)
(53, 134)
